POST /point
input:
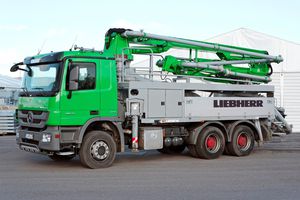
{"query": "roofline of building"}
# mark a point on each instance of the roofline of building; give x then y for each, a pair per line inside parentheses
(242, 28)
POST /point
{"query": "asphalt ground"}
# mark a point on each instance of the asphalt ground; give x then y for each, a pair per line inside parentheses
(270, 172)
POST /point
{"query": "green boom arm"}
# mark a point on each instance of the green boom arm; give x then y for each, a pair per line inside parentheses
(256, 63)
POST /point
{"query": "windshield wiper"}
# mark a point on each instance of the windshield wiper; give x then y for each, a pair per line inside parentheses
(25, 91)
(41, 89)
(38, 88)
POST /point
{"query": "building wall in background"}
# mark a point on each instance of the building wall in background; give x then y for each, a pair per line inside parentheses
(287, 94)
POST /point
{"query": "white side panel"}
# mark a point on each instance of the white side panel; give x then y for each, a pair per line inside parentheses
(174, 103)
(157, 103)
(225, 108)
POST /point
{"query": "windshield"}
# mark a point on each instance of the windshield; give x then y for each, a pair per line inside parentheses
(43, 79)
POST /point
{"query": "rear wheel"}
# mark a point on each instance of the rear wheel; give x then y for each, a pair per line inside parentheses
(226, 150)
(192, 150)
(210, 143)
(98, 150)
(242, 141)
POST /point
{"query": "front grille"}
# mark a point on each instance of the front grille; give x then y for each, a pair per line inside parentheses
(36, 112)
(28, 141)
(33, 119)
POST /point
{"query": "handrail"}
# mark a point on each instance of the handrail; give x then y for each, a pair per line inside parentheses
(161, 73)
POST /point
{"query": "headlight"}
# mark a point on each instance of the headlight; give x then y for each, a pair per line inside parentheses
(46, 138)
(135, 108)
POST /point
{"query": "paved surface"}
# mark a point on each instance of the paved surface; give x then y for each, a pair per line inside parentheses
(270, 172)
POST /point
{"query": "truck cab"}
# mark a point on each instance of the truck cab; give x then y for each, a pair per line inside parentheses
(62, 93)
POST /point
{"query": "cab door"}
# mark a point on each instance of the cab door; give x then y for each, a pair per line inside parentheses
(108, 89)
(82, 103)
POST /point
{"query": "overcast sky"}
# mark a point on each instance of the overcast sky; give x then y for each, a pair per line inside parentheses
(27, 26)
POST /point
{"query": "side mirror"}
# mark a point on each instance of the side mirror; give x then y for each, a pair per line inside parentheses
(73, 78)
(15, 67)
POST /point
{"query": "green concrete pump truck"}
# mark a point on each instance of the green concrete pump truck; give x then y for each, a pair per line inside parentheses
(94, 103)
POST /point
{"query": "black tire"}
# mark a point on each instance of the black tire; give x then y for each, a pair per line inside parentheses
(56, 157)
(242, 141)
(172, 149)
(98, 150)
(210, 143)
(192, 150)
(226, 152)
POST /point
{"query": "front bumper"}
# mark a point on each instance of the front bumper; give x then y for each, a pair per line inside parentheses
(33, 141)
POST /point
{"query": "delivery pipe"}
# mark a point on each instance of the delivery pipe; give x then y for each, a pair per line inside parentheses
(215, 47)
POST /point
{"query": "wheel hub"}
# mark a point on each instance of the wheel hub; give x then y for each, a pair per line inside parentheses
(100, 150)
(242, 140)
(211, 142)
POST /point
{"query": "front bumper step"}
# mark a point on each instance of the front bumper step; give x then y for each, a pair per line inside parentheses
(33, 149)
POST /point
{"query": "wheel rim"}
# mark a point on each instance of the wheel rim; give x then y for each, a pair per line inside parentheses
(212, 143)
(100, 150)
(243, 141)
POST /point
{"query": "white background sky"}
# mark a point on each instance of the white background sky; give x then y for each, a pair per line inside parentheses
(27, 25)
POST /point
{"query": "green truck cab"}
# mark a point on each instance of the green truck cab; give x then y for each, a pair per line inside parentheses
(64, 94)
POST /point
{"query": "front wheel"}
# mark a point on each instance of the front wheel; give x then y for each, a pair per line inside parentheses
(98, 150)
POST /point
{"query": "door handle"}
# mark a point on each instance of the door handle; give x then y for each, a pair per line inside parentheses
(94, 112)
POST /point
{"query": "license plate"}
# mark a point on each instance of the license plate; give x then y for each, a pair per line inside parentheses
(29, 136)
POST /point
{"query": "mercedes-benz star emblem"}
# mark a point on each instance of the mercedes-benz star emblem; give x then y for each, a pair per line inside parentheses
(30, 117)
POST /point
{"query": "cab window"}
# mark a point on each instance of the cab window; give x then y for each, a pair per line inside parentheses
(86, 75)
